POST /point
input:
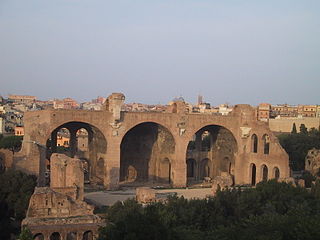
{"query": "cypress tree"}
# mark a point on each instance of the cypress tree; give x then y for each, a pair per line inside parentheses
(294, 128)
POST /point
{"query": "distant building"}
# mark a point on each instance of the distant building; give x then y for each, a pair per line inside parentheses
(19, 131)
(204, 107)
(63, 140)
(309, 111)
(91, 106)
(66, 103)
(264, 110)
(2, 110)
(225, 109)
(284, 110)
(318, 111)
(21, 98)
(99, 100)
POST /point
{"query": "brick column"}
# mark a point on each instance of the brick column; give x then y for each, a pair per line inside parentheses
(42, 165)
(179, 166)
(54, 141)
(112, 165)
(73, 142)
(198, 149)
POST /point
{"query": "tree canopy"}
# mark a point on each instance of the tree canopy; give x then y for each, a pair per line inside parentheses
(13, 143)
(297, 145)
(16, 189)
(270, 211)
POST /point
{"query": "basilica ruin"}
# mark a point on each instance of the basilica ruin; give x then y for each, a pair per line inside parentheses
(59, 211)
(174, 148)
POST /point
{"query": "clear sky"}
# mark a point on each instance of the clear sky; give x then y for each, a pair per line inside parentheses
(235, 51)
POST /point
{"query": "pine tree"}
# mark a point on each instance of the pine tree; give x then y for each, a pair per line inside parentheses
(294, 128)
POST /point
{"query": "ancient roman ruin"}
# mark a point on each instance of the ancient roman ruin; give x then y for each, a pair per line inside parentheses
(59, 212)
(175, 147)
(312, 163)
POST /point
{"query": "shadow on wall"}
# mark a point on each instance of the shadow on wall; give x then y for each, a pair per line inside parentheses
(145, 154)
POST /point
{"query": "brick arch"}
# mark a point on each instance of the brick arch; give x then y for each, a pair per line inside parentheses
(192, 131)
(97, 147)
(225, 155)
(276, 172)
(254, 143)
(66, 124)
(38, 236)
(252, 174)
(155, 121)
(264, 172)
(138, 162)
(266, 143)
(55, 236)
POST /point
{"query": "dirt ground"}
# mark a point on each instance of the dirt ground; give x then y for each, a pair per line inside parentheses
(107, 198)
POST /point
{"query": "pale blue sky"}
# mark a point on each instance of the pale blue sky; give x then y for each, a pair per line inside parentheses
(153, 50)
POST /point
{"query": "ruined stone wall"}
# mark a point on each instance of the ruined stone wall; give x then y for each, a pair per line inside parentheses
(182, 126)
(285, 124)
(67, 175)
(59, 209)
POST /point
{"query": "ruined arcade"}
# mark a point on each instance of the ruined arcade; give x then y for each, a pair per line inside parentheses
(173, 147)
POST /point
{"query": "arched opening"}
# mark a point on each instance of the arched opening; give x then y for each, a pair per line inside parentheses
(264, 170)
(191, 164)
(165, 171)
(205, 166)
(254, 143)
(276, 173)
(143, 150)
(63, 141)
(266, 144)
(88, 235)
(38, 236)
(253, 174)
(80, 140)
(72, 236)
(55, 236)
(213, 148)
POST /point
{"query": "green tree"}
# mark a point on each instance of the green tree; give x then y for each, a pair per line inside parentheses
(272, 210)
(294, 128)
(303, 129)
(13, 143)
(16, 189)
(25, 234)
(298, 145)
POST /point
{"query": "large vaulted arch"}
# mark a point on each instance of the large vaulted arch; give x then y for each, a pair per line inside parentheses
(213, 148)
(146, 155)
(81, 140)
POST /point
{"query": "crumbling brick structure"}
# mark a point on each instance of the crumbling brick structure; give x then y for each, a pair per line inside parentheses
(155, 147)
(58, 211)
